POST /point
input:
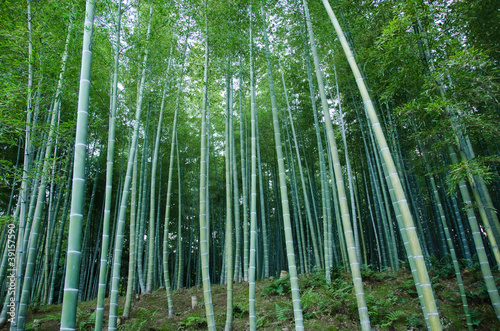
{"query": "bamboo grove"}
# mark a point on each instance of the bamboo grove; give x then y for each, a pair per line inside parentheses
(167, 144)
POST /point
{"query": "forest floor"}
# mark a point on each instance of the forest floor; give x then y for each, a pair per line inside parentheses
(391, 298)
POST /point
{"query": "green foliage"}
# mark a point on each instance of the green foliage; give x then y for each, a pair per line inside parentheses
(312, 280)
(282, 313)
(262, 322)
(343, 300)
(409, 287)
(314, 304)
(141, 317)
(309, 299)
(380, 309)
(367, 273)
(467, 170)
(193, 320)
(279, 286)
(479, 294)
(415, 322)
(86, 321)
(340, 287)
(392, 317)
(442, 268)
(5, 220)
(336, 271)
(240, 311)
(476, 317)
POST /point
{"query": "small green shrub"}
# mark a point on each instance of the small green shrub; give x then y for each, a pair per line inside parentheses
(367, 273)
(409, 287)
(480, 295)
(277, 287)
(141, 317)
(310, 300)
(343, 299)
(311, 280)
(240, 311)
(415, 321)
(443, 268)
(281, 312)
(86, 321)
(262, 322)
(392, 317)
(340, 287)
(193, 320)
(336, 271)
(476, 317)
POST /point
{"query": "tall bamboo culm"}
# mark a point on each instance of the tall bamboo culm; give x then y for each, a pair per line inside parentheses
(425, 283)
(207, 294)
(73, 255)
(344, 208)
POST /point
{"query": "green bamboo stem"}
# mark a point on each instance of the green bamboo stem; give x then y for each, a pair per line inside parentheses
(449, 243)
(144, 205)
(120, 228)
(152, 202)
(348, 166)
(253, 190)
(109, 180)
(346, 222)
(478, 241)
(24, 190)
(292, 268)
(207, 294)
(244, 183)
(428, 294)
(132, 237)
(229, 212)
(263, 227)
(68, 315)
(325, 191)
(295, 203)
(236, 201)
(180, 266)
(172, 153)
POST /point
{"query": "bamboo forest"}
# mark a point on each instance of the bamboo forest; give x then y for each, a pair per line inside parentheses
(244, 165)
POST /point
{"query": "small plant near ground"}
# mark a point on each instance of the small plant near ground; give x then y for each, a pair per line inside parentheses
(392, 317)
(343, 299)
(336, 271)
(277, 287)
(262, 322)
(86, 321)
(313, 305)
(442, 268)
(312, 280)
(240, 311)
(476, 317)
(367, 272)
(282, 313)
(141, 317)
(480, 295)
(310, 300)
(194, 320)
(340, 287)
(415, 321)
(409, 287)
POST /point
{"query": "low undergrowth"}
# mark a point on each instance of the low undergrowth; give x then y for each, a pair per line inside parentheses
(391, 299)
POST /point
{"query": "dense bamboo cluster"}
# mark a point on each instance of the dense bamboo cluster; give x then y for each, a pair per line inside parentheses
(293, 142)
